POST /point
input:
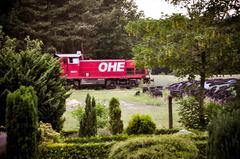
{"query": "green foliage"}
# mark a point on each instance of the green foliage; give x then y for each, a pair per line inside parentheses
(97, 139)
(22, 124)
(92, 26)
(115, 122)
(47, 134)
(164, 147)
(88, 124)
(224, 135)
(74, 151)
(101, 113)
(141, 124)
(78, 113)
(212, 110)
(32, 67)
(190, 115)
(166, 131)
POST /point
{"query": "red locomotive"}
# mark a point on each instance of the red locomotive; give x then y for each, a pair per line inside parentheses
(108, 73)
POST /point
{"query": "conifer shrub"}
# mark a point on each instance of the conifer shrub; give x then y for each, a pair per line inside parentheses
(33, 67)
(141, 124)
(101, 114)
(115, 122)
(22, 124)
(224, 135)
(163, 147)
(88, 123)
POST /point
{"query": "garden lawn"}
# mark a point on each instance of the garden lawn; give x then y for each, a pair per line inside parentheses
(157, 108)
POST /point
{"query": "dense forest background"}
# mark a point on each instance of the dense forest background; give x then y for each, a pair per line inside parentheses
(96, 27)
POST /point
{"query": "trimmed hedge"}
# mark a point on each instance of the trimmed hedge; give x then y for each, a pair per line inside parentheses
(166, 131)
(74, 151)
(99, 147)
(163, 147)
(119, 137)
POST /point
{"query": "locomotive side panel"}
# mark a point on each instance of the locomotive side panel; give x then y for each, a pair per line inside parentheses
(102, 69)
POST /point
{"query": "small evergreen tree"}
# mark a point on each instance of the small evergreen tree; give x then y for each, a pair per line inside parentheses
(116, 124)
(88, 123)
(22, 124)
(224, 135)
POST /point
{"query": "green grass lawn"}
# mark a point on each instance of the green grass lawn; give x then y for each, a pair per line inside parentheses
(144, 104)
(157, 108)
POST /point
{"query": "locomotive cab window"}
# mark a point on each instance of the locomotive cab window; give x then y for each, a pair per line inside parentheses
(130, 71)
(139, 71)
(73, 60)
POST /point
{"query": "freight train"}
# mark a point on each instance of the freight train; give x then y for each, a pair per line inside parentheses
(109, 73)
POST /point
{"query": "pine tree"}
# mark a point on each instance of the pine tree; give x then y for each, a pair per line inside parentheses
(116, 124)
(88, 124)
(22, 124)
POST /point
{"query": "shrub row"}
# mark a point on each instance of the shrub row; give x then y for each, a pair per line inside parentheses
(118, 137)
(97, 139)
(100, 147)
(74, 151)
(166, 131)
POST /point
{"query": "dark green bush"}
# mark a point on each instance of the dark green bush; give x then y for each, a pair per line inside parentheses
(33, 67)
(75, 151)
(141, 124)
(164, 147)
(224, 135)
(22, 124)
(115, 122)
(88, 123)
(189, 112)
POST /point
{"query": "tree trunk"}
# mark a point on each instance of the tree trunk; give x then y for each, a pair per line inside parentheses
(202, 89)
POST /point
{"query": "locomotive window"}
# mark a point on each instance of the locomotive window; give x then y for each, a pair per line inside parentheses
(139, 71)
(130, 71)
(73, 60)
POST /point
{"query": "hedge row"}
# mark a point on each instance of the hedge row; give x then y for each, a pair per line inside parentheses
(100, 147)
(75, 151)
(97, 139)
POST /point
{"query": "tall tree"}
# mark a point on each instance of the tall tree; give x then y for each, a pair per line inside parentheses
(95, 27)
(61, 25)
(189, 45)
(112, 41)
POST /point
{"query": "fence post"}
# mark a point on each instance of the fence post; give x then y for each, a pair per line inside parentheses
(170, 116)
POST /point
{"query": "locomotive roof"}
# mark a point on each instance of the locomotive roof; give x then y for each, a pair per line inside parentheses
(68, 55)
